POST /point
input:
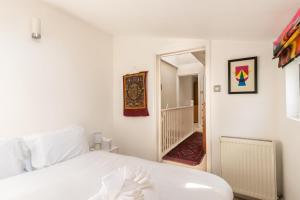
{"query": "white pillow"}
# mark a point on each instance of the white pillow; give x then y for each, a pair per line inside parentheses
(53, 147)
(12, 157)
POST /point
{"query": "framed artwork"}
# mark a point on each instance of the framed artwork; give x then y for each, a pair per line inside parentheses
(135, 94)
(242, 76)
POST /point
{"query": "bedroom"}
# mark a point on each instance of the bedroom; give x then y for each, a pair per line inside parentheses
(73, 74)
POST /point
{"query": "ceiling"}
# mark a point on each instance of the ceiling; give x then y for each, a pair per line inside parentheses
(207, 19)
(181, 60)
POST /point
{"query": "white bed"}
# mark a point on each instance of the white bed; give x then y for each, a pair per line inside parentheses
(80, 178)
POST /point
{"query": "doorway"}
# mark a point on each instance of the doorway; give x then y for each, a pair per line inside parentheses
(182, 110)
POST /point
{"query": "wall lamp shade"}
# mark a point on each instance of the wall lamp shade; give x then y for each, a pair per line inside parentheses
(98, 138)
(36, 28)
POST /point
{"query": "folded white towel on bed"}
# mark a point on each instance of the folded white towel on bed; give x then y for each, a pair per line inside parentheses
(124, 184)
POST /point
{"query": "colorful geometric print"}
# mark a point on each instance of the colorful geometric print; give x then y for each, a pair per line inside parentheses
(242, 74)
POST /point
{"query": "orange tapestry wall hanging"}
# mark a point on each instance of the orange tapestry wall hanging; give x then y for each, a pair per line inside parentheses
(135, 94)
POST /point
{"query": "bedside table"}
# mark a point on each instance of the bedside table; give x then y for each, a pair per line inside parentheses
(114, 149)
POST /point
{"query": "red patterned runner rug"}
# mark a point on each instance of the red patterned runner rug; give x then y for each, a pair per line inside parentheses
(188, 152)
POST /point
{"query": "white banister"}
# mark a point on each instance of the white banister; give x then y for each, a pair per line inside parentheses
(177, 125)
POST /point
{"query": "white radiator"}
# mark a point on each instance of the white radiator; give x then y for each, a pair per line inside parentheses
(249, 166)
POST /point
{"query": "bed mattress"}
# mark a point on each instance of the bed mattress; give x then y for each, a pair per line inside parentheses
(80, 178)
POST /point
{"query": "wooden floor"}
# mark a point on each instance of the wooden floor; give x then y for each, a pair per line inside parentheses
(239, 198)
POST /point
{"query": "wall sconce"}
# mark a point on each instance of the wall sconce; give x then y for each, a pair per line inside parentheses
(36, 28)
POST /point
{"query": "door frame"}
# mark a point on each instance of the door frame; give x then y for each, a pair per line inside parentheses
(207, 86)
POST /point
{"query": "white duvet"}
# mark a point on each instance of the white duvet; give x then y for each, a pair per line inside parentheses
(80, 179)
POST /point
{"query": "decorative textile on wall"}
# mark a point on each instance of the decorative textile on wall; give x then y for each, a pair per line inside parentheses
(135, 94)
(287, 46)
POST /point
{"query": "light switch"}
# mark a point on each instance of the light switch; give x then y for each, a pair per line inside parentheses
(217, 88)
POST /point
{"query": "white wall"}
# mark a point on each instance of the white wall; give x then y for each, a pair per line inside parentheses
(246, 115)
(137, 135)
(196, 69)
(62, 79)
(243, 115)
(186, 90)
(169, 85)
